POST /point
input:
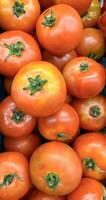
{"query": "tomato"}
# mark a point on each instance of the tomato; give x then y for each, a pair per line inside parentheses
(17, 48)
(39, 89)
(92, 44)
(91, 148)
(37, 195)
(8, 84)
(25, 145)
(19, 15)
(102, 23)
(59, 29)
(14, 176)
(84, 77)
(59, 61)
(62, 126)
(26, 196)
(92, 112)
(53, 168)
(90, 18)
(88, 189)
(104, 6)
(13, 122)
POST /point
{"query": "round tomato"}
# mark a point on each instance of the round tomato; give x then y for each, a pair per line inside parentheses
(14, 176)
(88, 189)
(17, 48)
(92, 44)
(102, 23)
(53, 168)
(19, 15)
(26, 196)
(59, 29)
(25, 145)
(92, 112)
(37, 195)
(8, 84)
(59, 61)
(62, 126)
(90, 18)
(84, 77)
(13, 122)
(39, 89)
(91, 149)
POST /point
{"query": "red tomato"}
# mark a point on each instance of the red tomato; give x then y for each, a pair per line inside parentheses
(104, 6)
(25, 145)
(53, 168)
(92, 44)
(8, 84)
(19, 15)
(88, 189)
(84, 77)
(62, 126)
(59, 29)
(14, 176)
(39, 89)
(91, 17)
(59, 61)
(17, 48)
(26, 196)
(13, 122)
(91, 149)
(37, 195)
(92, 112)
(102, 23)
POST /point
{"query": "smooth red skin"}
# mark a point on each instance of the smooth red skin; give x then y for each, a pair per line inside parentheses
(8, 127)
(54, 39)
(92, 145)
(87, 189)
(14, 63)
(64, 121)
(26, 22)
(102, 23)
(87, 122)
(47, 101)
(84, 84)
(37, 195)
(104, 6)
(8, 84)
(14, 163)
(59, 158)
(25, 145)
(92, 41)
(59, 61)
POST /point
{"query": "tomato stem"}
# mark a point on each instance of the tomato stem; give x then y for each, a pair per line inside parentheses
(60, 135)
(52, 180)
(18, 116)
(103, 131)
(35, 84)
(15, 49)
(49, 20)
(95, 111)
(8, 179)
(92, 56)
(19, 9)
(89, 163)
(84, 66)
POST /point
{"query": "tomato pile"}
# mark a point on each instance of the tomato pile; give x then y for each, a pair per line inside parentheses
(52, 100)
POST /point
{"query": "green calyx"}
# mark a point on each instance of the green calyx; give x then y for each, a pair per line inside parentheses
(49, 20)
(52, 180)
(15, 49)
(89, 163)
(8, 180)
(104, 198)
(95, 111)
(18, 116)
(103, 131)
(92, 56)
(19, 9)
(60, 135)
(84, 66)
(35, 84)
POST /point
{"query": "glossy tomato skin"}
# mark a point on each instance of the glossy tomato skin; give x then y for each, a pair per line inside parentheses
(92, 44)
(14, 172)
(52, 36)
(91, 148)
(88, 189)
(59, 61)
(92, 112)
(58, 161)
(25, 50)
(21, 15)
(90, 18)
(102, 23)
(8, 84)
(84, 77)
(37, 195)
(13, 122)
(49, 98)
(25, 145)
(61, 126)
